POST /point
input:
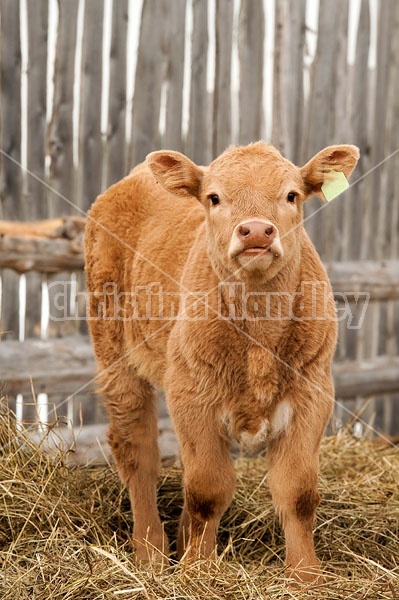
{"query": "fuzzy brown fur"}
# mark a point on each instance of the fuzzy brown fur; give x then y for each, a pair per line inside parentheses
(226, 372)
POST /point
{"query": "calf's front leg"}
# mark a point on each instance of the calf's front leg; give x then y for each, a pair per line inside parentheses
(293, 478)
(209, 480)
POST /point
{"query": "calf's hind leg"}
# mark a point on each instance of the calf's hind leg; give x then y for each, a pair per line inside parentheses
(133, 438)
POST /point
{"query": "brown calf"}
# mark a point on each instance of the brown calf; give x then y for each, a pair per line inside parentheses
(204, 282)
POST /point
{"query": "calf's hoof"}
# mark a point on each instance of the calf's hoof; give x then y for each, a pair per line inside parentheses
(152, 550)
(302, 574)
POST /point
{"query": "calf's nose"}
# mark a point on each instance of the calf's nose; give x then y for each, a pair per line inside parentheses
(256, 234)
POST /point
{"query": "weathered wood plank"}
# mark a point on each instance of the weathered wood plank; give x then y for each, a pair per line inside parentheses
(150, 73)
(379, 279)
(222, 91)
(176, 20)
(63, 366)
(288, 92)
(42, 255)
(66, 227)
(198, 136)
(62, 319)
(388, 226)
(368, 377)
(81, 305)
(9, 316)
(334, 245)
(57, 366)
(380, 145)
(91, 145)
(251, 31)
(389, 322)
(37, 16)
(60, 134)
(320, 105)
(116, 134)
(35, 190)
(11, 198)
(359, 201)
(12, 204)
(318, 118)
(33, 304)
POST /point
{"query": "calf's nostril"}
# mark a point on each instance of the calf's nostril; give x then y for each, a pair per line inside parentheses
(269, 230)
(244, 231)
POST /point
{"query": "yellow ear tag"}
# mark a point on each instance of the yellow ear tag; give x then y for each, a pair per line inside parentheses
(335, 185)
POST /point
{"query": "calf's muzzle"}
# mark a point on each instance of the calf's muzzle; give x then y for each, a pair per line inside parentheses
(256, 234)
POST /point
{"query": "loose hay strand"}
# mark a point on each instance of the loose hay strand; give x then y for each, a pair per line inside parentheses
(65, 531)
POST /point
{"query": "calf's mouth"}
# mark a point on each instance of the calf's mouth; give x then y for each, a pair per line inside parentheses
(275, 249)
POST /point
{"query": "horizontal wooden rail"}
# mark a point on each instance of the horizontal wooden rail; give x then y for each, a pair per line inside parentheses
(42, 255)
(379, 278)
(371, 377)
(66, 366)
(58, 366)
(38, 248)
(47, 246)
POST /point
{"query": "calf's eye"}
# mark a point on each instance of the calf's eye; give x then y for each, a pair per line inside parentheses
(291, 197)
(214, 198)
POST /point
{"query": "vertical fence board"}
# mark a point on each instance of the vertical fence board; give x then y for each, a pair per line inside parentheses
(359, 112)
(388, 236)
(320, 104)
(60, 136)
(61, 322)
(91, 147)
(288, 93)
(297, 45)
(389, 340)
(335, 242)
(37, 83)
(175, 74)
(353, 202)
(380, 146)
(150, 73)
(33, 311)
(251, 33)
(81, 308)
(9, 316)
(11, 199)
(222, 92)
(62, 175)
(377, 311)
(10, 112)
(198, 138)
(116, 134)
(392, 217)
(36, 191)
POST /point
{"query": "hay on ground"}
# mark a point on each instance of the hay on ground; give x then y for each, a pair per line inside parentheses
(64, 532)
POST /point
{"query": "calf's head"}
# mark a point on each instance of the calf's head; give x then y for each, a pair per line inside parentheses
(253, 200)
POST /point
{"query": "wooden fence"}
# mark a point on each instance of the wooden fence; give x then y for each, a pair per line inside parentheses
(205, 74)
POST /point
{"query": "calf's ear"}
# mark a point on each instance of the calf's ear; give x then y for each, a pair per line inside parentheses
(175, 172)
(333, 158)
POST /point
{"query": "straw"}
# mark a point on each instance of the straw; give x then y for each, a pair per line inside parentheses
(65, 531)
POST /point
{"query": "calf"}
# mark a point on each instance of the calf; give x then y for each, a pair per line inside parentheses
(204, 282)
